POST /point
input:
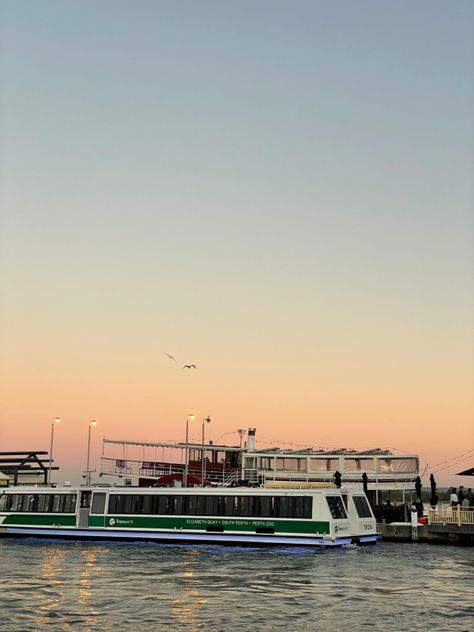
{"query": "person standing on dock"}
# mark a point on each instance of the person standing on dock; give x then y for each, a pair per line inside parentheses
(453, 498)
(470, 495)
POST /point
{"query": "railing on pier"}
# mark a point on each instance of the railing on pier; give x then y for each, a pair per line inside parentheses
(451, 515)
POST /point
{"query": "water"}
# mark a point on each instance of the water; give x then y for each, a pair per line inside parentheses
(89, 586)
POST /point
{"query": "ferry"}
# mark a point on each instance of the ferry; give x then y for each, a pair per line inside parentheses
(272, 516)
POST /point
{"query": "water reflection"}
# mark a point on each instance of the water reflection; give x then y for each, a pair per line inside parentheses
(84, 586)
(89, 571)
(50, 570)
(186, 609)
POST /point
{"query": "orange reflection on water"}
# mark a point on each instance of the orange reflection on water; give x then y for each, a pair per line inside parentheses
(50, 568)
(186, 609)
(90, 569)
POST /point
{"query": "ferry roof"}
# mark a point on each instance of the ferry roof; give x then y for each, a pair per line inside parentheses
(272, 451)
(336, 452)
(176, 444)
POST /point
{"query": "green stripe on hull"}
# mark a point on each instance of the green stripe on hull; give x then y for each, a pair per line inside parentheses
(200, 524)
(172, 522)
(40, 520)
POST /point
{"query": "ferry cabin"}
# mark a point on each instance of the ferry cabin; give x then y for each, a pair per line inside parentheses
(304, 517)
(145, 464)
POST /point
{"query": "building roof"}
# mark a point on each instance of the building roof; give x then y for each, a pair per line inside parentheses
(469, 472)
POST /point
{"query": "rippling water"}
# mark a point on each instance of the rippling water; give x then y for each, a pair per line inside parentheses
(86, 586)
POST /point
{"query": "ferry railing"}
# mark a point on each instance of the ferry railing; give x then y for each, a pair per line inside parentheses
(451, 515)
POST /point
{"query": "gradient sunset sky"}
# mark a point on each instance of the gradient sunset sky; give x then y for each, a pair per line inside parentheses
(279, 192)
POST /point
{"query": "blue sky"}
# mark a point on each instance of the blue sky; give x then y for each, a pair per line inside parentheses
(289, 177)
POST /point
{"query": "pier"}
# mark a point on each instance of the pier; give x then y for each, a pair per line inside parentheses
(444, 525)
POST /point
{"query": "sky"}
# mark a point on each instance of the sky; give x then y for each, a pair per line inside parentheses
(278, 192)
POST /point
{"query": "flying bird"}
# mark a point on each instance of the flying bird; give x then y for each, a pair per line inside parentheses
(189, 366)
(170, 356)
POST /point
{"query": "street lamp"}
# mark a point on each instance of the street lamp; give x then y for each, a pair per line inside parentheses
(186, 451)
(56, 421)
(92, 424)
(205, 420)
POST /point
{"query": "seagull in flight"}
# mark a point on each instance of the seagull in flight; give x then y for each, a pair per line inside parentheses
(170, 356)
(189, 366)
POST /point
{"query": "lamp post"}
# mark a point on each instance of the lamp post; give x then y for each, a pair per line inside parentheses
(92, 424)
(186, 450)
(204, 421)
(56, 421)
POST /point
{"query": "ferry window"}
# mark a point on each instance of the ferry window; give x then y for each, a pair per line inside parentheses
(44, 503)
(211, 506)
(171, 505)
(262, 506)
(265, 463)
(291, 464)
(247, 506)
(55, 503)
(68, 503)
(146, 505)
(180, 505)
(405, 465)
(18, 502)
(27, 503)
(98, 502)
(367, 465)
(299, 507)
(336, 507)
(160, 504)
(128, 503)
(32, 502)
(280, 508)
(137, 504)
(229, 506)
(318, 465)
(12, 502)
(21, 502)
(201, 505)
(113, 503)
(85, 500)
(351, 465)
(4, 502)
(308, 507)
(362, 507)
(191, 505)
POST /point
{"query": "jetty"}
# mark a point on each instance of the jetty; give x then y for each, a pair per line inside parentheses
(444, 525)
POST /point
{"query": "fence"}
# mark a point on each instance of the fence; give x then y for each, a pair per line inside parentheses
(451, 515)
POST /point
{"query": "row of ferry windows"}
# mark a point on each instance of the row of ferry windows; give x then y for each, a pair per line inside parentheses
(39, 503)
(243, 506)
(303, 464)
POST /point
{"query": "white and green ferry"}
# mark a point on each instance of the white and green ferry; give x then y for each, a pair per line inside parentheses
(328, 517)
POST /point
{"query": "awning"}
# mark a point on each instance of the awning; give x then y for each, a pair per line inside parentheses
(469, 472)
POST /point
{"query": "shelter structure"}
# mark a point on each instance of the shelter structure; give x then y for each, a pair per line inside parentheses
(28, 467)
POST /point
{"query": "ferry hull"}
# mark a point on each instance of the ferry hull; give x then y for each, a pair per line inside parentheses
(173, 537)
